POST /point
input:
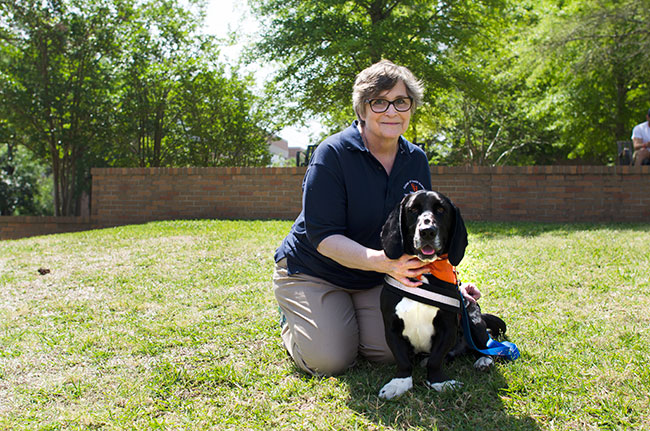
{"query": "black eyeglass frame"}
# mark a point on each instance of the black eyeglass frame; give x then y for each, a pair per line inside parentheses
(369, 102)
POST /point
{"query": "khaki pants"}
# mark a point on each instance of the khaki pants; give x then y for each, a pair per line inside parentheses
(328, 326)
(641, 155)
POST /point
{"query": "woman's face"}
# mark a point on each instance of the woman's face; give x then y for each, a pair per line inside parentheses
(388, 125)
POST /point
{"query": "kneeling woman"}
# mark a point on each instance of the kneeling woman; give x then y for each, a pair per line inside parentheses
(330, 267)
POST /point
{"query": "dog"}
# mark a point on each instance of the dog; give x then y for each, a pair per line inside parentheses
(426, 224)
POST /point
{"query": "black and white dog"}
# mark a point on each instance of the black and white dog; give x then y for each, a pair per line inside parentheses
(426, 319)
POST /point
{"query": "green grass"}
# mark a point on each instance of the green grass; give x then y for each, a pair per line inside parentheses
(173, 325)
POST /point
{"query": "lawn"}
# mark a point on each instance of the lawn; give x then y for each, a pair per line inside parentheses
(172, 325)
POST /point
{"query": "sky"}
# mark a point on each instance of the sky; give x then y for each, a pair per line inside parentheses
(226, 16)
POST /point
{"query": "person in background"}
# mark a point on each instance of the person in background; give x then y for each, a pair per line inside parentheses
(330, 267)
(641, 142)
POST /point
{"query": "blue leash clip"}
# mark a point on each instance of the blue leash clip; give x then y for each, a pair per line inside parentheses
(504, 349)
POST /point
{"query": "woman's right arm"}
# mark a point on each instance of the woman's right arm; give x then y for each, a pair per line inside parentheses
(351, 254)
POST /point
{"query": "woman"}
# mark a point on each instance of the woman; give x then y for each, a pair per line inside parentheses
(330, 267)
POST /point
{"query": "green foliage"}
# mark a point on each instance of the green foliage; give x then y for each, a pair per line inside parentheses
(322, 45)
(160, 40)
(481, 118)
(475, 109)
(220, 118)
(55, 79)
(589, 67)
(25, 186)
(113, 83)
(536, 82)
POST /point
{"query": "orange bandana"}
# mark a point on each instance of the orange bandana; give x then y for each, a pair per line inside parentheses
(443, 270)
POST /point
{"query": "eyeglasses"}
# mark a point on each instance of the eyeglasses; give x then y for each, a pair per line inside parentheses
(378, 106)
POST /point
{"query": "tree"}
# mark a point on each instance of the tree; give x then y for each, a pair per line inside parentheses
(321, 45)
(179, 107)
(590, 65)
(483, 116)
(549, 82)
(56, 74)
(21, 183)
(163, 40)
(104, 83)
(217, 121)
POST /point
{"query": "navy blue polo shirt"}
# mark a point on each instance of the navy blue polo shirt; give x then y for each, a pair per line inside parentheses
(347, 191)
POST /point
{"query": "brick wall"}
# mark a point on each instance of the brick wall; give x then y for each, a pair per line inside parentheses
(14, 227)
(532, 193)
(135, 195)
(563, 194)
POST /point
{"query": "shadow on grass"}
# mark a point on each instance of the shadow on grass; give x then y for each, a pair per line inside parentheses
(478, 405)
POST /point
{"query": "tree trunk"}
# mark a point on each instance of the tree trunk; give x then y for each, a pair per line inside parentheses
(158, 133)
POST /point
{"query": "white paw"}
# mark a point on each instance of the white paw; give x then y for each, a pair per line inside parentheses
(444, 386)
(395, 388)
(483, 363)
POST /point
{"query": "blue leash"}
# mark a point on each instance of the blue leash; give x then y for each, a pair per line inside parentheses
(504, 349)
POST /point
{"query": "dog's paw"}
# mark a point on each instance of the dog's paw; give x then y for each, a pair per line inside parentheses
(484, 363)
(445, 386)
(395, 388)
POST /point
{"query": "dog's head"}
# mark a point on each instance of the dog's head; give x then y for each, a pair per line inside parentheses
(427, 225)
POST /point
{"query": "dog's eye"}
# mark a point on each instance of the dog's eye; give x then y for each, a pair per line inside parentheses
(440, 210)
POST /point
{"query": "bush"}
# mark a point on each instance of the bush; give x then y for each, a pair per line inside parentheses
(25, 183)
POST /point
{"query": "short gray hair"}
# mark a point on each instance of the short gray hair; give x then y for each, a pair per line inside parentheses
(380, 77)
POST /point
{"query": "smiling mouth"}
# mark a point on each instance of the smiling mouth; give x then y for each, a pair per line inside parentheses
(427, 254)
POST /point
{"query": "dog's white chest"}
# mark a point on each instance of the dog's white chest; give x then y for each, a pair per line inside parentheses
(418, 323)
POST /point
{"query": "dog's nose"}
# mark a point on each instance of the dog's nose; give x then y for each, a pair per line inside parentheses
(428, 233)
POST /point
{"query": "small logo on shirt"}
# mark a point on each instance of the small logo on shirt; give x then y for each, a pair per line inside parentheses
(412, 186)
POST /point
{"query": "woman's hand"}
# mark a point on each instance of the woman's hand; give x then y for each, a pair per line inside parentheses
(470, 292)
(406, 267)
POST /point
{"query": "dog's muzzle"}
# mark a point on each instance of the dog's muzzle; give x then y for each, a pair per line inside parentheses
(427, 236)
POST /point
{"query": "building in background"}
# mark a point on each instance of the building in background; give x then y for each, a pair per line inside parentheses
(281, 153)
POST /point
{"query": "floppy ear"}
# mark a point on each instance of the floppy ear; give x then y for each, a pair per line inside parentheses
(458, 242)
(392, 240)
